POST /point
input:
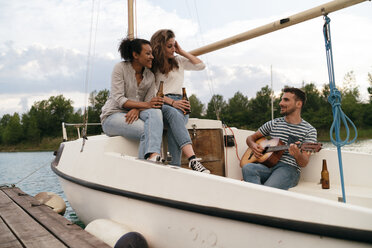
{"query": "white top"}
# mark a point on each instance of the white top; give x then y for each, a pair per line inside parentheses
(173, 82)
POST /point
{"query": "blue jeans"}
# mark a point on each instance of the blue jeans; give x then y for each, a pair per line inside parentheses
(148, 129)
(177, 134)
(281, 176)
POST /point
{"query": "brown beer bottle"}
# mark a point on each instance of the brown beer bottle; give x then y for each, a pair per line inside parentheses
(325, 176)
(184, 97)
(160, 91)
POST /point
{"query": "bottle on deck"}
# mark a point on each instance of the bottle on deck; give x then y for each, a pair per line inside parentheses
(325, 176)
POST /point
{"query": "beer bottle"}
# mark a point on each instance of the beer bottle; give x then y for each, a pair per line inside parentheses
(184, 97)
(160, 91)
(325, 176)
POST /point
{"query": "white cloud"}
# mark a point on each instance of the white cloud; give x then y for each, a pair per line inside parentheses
(297, 53)
(22, 103)
(37, 68)
(44, 46)
(152, 18)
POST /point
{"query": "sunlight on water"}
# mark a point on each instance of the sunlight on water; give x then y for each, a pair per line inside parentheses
(364, 146)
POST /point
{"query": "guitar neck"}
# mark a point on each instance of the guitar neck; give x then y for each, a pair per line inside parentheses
(277, 148)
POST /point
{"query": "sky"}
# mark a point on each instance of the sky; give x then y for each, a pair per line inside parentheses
(52, 47)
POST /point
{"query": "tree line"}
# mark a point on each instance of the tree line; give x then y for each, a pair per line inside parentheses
(45, 117)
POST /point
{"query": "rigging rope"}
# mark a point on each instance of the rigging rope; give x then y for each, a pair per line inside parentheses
(25, 177)
(335, 100)
(135, 17)
(89, 69)
(205, 58)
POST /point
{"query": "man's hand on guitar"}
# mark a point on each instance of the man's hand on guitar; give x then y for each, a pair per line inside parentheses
(302, 158)
(294, 150)
(257, 150)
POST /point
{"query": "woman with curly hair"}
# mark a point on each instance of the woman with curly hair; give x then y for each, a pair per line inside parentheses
(132, 110)
(170, 69)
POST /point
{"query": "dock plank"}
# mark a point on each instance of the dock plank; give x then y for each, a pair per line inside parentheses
(26, 230)
(7, 238)
(71, 235)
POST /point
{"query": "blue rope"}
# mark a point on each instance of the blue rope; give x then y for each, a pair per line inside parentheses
(335, 100)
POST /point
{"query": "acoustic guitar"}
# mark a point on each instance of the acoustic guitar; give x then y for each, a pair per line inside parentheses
(273, 151)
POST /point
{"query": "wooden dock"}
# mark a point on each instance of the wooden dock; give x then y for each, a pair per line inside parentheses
(24, 222)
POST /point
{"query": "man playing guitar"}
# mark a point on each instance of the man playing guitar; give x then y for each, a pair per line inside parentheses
(291, 130)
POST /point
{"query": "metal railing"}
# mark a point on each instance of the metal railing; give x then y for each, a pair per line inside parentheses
(77, 126)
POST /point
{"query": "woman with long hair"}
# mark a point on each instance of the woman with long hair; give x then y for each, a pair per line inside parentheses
(132, 110)
(170, 69)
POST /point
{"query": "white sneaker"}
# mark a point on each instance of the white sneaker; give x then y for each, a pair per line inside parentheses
(197, 166)
(156, 159)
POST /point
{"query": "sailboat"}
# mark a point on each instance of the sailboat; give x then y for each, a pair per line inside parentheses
(176, 207)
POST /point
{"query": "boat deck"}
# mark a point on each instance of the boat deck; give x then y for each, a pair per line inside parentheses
(355, 195)
(24, 222)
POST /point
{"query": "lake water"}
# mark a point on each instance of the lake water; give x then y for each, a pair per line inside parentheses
(364, 146)
(16, 166)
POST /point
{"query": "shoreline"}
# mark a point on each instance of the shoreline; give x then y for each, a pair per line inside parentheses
(22, 148)
(47, 144)
(52, 144)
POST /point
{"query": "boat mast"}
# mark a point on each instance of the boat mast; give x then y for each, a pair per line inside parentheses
(130, 20)
(274, 26)
(272, 93)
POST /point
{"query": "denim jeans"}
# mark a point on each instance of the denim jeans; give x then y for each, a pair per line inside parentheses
(281, 176)
(177, 134)
(148, 129)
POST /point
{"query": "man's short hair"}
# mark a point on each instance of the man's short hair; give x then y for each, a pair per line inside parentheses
(300, 95)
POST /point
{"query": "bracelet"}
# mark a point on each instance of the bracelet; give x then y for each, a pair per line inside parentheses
(172, 103)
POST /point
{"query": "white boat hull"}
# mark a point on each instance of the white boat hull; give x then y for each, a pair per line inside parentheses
(168, 227)
(176, 207)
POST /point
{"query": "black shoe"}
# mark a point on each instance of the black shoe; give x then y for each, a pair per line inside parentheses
(197, 166)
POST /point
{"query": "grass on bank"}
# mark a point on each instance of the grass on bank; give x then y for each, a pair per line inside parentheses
(46, 144)
(363, 134)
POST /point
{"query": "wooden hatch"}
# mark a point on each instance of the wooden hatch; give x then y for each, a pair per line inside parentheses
(208, 145)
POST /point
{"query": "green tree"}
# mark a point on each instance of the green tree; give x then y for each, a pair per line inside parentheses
(13, 132)
(3, 123)
(367, 115)
(216, 108)
(96, 100)
(39, 112)
(30, 129)
(317, 110)
(197, 107)
(237, 110)
(60, 110)
(5, 120)
(100, 99)
(350, 87)
(367, 108)
(50, 114)
(350, 98)
(314, 100)
(370, 87)
(259, 108)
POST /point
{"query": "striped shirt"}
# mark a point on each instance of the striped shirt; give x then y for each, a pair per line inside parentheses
(289, 133)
